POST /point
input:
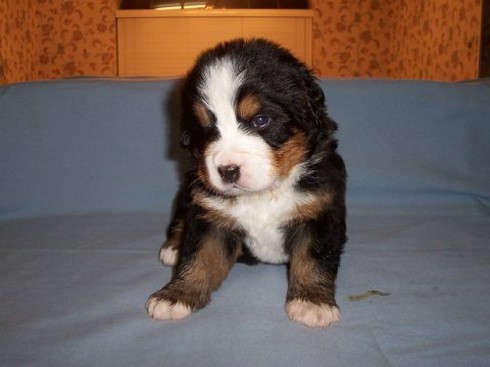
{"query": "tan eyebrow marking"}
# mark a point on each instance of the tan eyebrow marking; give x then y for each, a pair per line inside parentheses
(248, 107)
(202, 114)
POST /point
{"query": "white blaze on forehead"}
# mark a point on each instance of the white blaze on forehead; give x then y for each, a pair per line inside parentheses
(219, 87)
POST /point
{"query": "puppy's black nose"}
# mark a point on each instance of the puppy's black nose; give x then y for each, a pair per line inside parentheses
(229, 173)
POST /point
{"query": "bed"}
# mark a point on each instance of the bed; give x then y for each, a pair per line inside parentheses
(88, 172)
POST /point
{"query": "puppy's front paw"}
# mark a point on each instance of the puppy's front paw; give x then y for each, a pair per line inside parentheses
(311, 314)
(162, 309)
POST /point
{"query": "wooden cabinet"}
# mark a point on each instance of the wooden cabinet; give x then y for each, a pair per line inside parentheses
(166, 43)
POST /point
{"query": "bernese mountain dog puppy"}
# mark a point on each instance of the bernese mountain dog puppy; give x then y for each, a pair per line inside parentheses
(267, 183)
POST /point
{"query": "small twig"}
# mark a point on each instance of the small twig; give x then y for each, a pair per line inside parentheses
(363, 296)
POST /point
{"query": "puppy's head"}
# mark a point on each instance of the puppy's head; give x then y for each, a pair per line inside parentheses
(252, 116)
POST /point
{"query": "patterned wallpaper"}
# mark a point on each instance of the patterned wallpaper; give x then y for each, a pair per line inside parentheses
(44, 39)
(77, 38)
(429, 39)
(423, 39)
(438, 39)
(18, 44)
(350, 38)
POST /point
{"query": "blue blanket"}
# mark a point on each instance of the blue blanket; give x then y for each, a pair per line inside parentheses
(88, 171)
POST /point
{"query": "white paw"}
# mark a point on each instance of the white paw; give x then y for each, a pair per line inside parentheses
(168, 256)
(312, 315)
(164, 310)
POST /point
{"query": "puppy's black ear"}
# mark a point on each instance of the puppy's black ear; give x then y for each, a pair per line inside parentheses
(185, 139)
(186, 136)
(187, 143)
(315, 99)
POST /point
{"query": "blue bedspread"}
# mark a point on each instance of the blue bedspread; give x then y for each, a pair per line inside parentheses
(88, 170)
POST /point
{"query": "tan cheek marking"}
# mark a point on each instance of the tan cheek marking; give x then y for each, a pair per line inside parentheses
(248, 107)
(292, 153)
(202, 171)
(202, 114)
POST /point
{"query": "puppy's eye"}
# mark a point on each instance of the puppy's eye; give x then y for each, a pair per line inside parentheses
(260, 121)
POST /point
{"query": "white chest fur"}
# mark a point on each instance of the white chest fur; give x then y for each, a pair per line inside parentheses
(262, 216)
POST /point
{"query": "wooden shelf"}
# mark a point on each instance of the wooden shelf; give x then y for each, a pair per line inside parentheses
(167, 42)
(276, 13)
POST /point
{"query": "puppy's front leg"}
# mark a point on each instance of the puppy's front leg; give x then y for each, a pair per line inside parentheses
(312, 273)
(206, 259)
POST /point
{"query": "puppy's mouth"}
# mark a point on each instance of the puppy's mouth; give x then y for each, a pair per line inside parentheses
(234, 190)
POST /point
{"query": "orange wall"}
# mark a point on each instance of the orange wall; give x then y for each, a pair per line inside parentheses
(422, 39)
(45, 39)
(438, 39)
(18, 41)
(426, 39)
